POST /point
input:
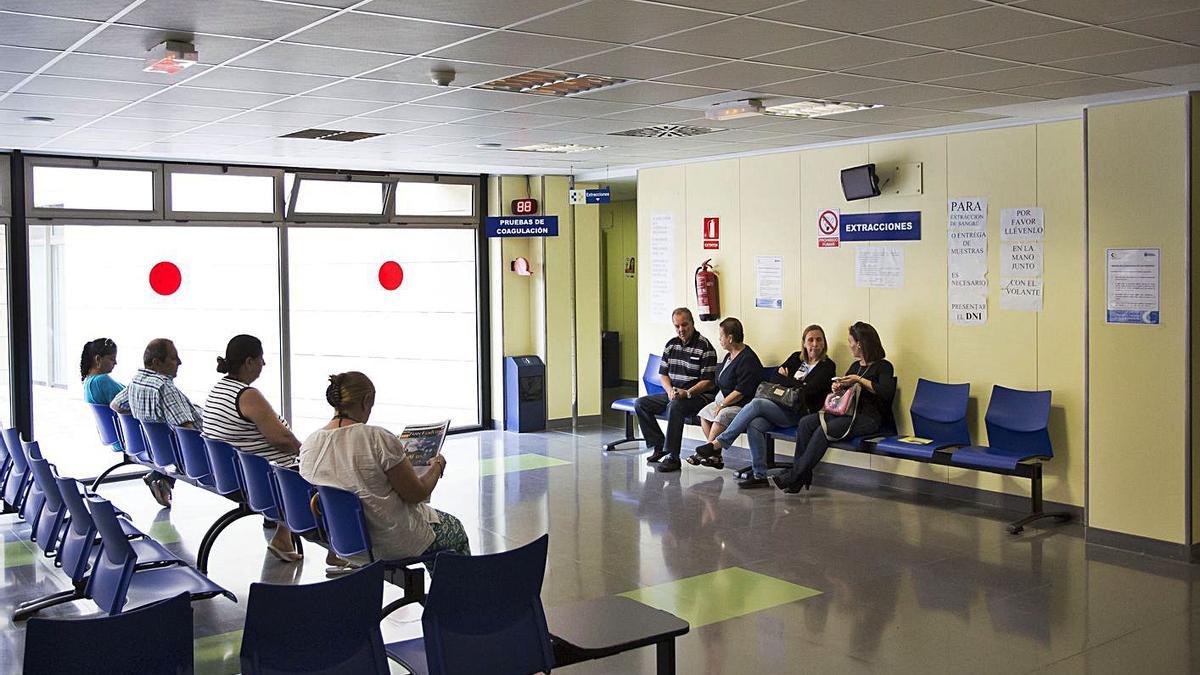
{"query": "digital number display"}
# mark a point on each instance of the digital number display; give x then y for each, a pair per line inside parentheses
(524, 207)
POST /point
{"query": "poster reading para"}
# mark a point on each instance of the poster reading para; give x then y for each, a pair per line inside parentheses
(967, 260)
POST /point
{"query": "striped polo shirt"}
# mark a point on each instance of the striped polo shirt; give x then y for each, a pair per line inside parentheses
(687, 363)
(223, 421)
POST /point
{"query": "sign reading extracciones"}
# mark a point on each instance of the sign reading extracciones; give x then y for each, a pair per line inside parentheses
(522, 226)
(590, 196)
(894, 226)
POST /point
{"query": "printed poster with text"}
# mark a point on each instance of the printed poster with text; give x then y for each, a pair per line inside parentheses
(967, 260)
(1021, 234)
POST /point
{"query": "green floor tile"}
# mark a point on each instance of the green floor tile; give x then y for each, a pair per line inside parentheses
(17, 553)
(721, 595)
(164, 532)
(218, 654)
(522, 462)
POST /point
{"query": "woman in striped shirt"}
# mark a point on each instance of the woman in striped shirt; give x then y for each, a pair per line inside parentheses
(240, 415)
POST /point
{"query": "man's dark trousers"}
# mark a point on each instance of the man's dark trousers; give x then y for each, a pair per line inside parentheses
(648, 407)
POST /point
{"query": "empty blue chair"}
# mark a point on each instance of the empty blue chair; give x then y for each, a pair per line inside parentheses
(17, 482)
(161, 443)
(653, 384)
(115, 575)
(193, 456)
(939, 414)
(5, 464)
(483, 615)
(49, 524)
(156, 638)
(132, 439)
(339, 632)
(222, 461)
(294, 498)
(106, 425)
(35, 497)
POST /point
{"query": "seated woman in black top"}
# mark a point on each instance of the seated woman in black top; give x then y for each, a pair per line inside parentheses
(810, 369)
(736, 381)
(876, 380)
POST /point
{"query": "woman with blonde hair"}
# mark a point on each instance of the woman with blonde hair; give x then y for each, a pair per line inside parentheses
(349, 454)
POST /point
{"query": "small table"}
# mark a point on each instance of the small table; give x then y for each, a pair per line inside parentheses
(594, 629)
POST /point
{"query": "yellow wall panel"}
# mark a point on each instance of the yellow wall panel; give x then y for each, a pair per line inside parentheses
(712, 191)
(661, 191)
(587, 306)
(1194, 234)
(1137, 156)
(618, 227)
(557, 293)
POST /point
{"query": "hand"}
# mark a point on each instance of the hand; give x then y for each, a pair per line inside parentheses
(439, 461)
(783, 371)
(672, 393)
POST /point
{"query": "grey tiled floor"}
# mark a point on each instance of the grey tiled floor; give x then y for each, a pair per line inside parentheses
(908, 583)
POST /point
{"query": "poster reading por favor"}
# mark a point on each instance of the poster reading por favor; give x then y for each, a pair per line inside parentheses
(967, 260)
(1021, 233)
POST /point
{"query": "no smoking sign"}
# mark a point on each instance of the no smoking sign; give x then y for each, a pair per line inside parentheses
(829, 228)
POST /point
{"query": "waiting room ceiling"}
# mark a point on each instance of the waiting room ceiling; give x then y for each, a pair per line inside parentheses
(272, 67)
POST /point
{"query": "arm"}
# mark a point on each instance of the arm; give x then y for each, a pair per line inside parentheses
(708, 373)
(664, 374)
(177, 409)
(411, 487)
(818, 383)
(748, 376)
(120, 402)
(254, 406)
(788, 369)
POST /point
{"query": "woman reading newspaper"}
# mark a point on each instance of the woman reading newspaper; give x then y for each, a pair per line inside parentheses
(372, 462)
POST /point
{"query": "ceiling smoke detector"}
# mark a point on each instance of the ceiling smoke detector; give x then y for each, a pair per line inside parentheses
(170, 57)
(442, 77)
(733, 110)
(667, 131)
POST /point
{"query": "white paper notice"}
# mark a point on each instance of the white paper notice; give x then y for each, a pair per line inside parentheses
(966, 258)
(662, 264)
(1020, 224)
(1132, 285)
(1021, 294)
(768, 292)
(879, 267)
(1021, 259)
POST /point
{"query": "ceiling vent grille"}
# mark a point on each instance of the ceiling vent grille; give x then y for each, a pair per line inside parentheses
(667, 131)
(331, 135)
(551, 83)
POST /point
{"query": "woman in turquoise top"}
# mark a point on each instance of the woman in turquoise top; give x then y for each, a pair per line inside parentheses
(98, 360)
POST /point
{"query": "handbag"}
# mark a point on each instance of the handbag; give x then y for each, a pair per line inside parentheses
(791, 398)
(842, 404)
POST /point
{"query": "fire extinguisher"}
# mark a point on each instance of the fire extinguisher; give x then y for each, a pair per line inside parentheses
(708, 297)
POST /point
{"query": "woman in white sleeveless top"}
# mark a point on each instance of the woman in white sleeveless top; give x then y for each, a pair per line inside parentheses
(240, 415)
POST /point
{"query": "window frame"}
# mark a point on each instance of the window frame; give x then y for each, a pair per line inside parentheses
(411, 219)
(307, 218)
(170, 213)
(5, 184)
(154, 168)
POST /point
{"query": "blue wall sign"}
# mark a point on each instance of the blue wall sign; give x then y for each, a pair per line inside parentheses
(598, 196)
(522, 226)
(894, 226)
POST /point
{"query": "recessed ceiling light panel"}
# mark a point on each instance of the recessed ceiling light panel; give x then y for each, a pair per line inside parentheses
(551, 83)
(667, 131)
(557, 148)
(817, 108)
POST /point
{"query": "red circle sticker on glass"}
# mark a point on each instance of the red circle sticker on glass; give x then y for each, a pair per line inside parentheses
(165, 278)
(391, 275)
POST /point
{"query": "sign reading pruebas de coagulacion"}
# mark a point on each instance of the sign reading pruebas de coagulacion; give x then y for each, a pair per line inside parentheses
(522, 226)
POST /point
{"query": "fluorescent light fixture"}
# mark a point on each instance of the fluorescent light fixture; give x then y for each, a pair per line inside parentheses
(817, 108)
(732, 110)
(170, 57)
(557, 148)
(551, 83)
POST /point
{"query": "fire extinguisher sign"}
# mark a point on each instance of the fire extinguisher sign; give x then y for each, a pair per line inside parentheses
(712, 233)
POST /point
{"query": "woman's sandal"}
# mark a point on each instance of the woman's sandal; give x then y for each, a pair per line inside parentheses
(694, 460)
(713, 462)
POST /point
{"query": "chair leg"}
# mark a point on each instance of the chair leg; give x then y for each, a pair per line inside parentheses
(100, 479)
(629, 437)
(210, 537)
(31, 607)
(1036, 512)
(414, 590)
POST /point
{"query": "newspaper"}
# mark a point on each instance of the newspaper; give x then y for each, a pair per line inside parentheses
(422, 442)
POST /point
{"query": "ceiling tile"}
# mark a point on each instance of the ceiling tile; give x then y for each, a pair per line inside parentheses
(1106, 11)
(1184, 26)
(741, 38)
(69, 86)
(843, 53)
(933, 67)
(238, 18)
(384, 34)
(8, 80)
(43, 105)
(23, 59)
(134, 42)
(528, 136)
(596, 125)
(519, 120)
(1164, 56)
(462, 130)
(861, 16)
(238, 132)
(476, 12)
(151, 124)
(98, 10)
(830, 84)
(176, 112)
(284, 56)
(884, 115)
(1010, 78)
(521, 49)
(620, 21)
(19, 30)
(259, 81)
(1189, 75)
(466, 74)
(1085, 87)
(784, 125)
(731, 6)
(424, 113)
(992, 24)
(482, 99)
(22, 135)
(650, 93)
(638, 63)
(976, 101)
(283, 120)
(906, 94)
(126, 136)
(654, 115)
(324, 106)
(578, 107)
(113, 68)
(863, 130)
(947, 119)
(217, 98)
(1065, 45)
(739, 75)
(383, 126)
(372, 90)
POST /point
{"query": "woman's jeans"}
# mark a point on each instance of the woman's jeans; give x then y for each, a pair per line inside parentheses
(755, 419)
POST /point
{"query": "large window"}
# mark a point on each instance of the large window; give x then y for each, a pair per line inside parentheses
(94, 189)
(396, 304)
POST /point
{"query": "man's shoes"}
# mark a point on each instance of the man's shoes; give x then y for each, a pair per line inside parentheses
(668, 465)
(656, 456)
(161, 492)
(753, 482)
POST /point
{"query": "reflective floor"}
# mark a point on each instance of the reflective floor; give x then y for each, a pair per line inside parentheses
(834, 580)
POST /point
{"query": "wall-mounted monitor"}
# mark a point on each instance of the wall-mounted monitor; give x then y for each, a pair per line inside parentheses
(860, 182)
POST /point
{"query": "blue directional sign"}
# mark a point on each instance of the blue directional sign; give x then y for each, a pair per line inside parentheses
(894, 226)
(522, 226)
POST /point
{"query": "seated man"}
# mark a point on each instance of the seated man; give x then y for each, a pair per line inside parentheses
(689, 365)
(152, 396)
